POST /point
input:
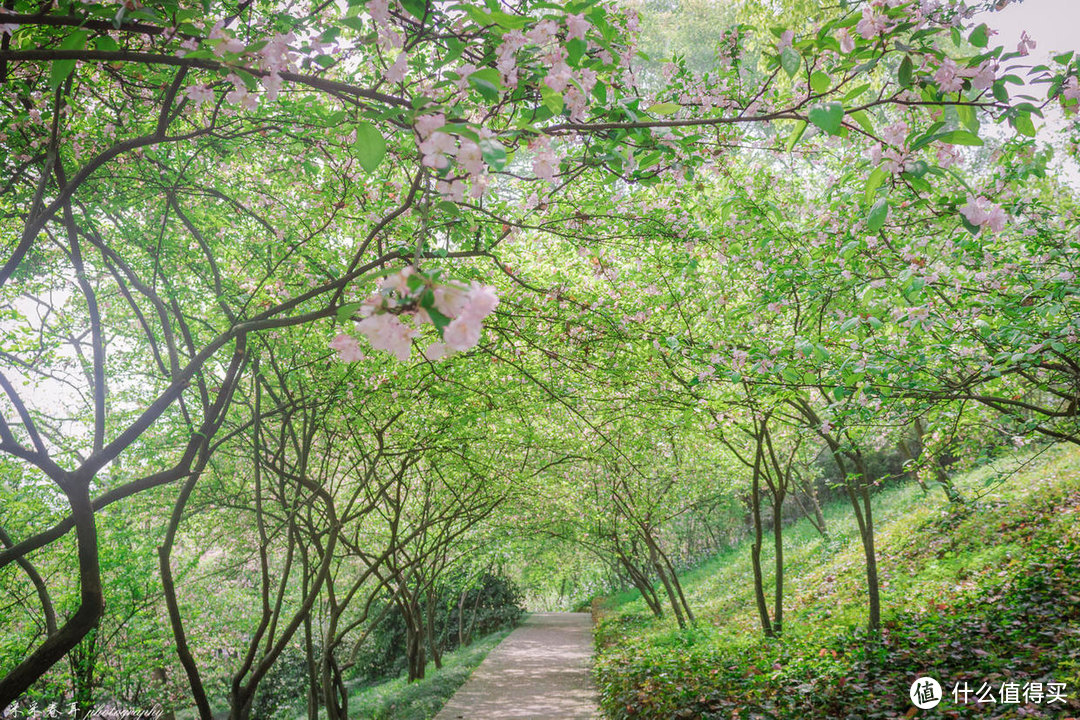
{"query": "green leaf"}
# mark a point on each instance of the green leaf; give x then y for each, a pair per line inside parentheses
(856, 92)
(575, 50)
(827, 116)
(553, 101)
(250, 81)
(346, 311)
(959, 137)
(979, 36)
(1024, 125)
(416, 8)
(790, 60)
(863, 119)
(873, 183)
(796, 134)
(904, 73)
(106, 44)
(664, 108)
(508, 21)
(487, 82)
(62, 68)
(820, 82)
(966, 115)
(494, 153)
(876, 218)
(370, 147)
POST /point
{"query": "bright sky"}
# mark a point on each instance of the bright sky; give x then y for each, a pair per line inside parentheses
(1053, 24)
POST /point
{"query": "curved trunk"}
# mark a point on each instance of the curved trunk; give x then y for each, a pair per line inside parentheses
(85, 619)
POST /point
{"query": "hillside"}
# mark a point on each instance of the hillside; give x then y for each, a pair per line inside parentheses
(985, 593)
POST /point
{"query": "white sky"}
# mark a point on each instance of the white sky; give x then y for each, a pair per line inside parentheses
(1053, 24)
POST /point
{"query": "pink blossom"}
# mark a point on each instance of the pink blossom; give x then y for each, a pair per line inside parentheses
(587, 80)
(948, 155)
(396, 72)
(576, 27)
(228, 42)
(462, 333)
(847, 43)
(450, 299)
(948, 76)
(1071, 89)
(8, 28)
(200, 94)
(872, 23)
(347, 348)
(399, 281)
(542, 33)
(895, 134)
(786, 38)
(275, 54)
(1026, 44)
(983, 213)
(558, 76)
(480, 301)
(453, 190)
(427, 124)
(470, 158)
(985, 75)
(386, 332)
(379, 11)
(436, 351)
(576, 102)
(436, 149)
(544, 162)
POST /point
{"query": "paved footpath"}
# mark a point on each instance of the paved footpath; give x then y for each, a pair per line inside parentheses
(539, 672)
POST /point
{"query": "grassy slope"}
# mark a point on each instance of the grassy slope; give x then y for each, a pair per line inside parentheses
(989, 592)
(400, 700)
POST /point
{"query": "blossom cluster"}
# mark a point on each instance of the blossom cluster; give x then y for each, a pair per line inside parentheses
(455, 310)
(983, 213)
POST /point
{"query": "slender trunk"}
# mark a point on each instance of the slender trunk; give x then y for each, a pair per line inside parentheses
(755, 547)
(187, 660)
(678, 587)
(312, 667)
(85, 619)
(432, 645)
(778, 550)
(871, 562)
(672, 597)
(648, 592)
(461, 617)
(859, 494)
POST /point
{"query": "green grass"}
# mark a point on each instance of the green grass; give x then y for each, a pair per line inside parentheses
(982, 588)
(401, 700)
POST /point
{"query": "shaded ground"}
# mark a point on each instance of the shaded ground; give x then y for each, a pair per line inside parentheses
(539, 672)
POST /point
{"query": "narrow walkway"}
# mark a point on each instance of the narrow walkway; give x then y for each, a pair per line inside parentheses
(539, 672)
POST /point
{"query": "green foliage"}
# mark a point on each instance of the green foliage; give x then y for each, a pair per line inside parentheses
(977, 596)
(421, 700)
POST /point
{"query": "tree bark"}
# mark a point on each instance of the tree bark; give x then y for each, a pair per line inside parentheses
(91, 602)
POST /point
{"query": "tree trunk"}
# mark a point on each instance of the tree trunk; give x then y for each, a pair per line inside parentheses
(755, 547)
(85, 619)
(778, 549)
(432, 644)
(672, 597)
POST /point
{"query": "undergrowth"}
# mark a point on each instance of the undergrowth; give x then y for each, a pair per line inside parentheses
(975, 595)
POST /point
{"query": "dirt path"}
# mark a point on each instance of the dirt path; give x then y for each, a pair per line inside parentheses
(539, 672)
